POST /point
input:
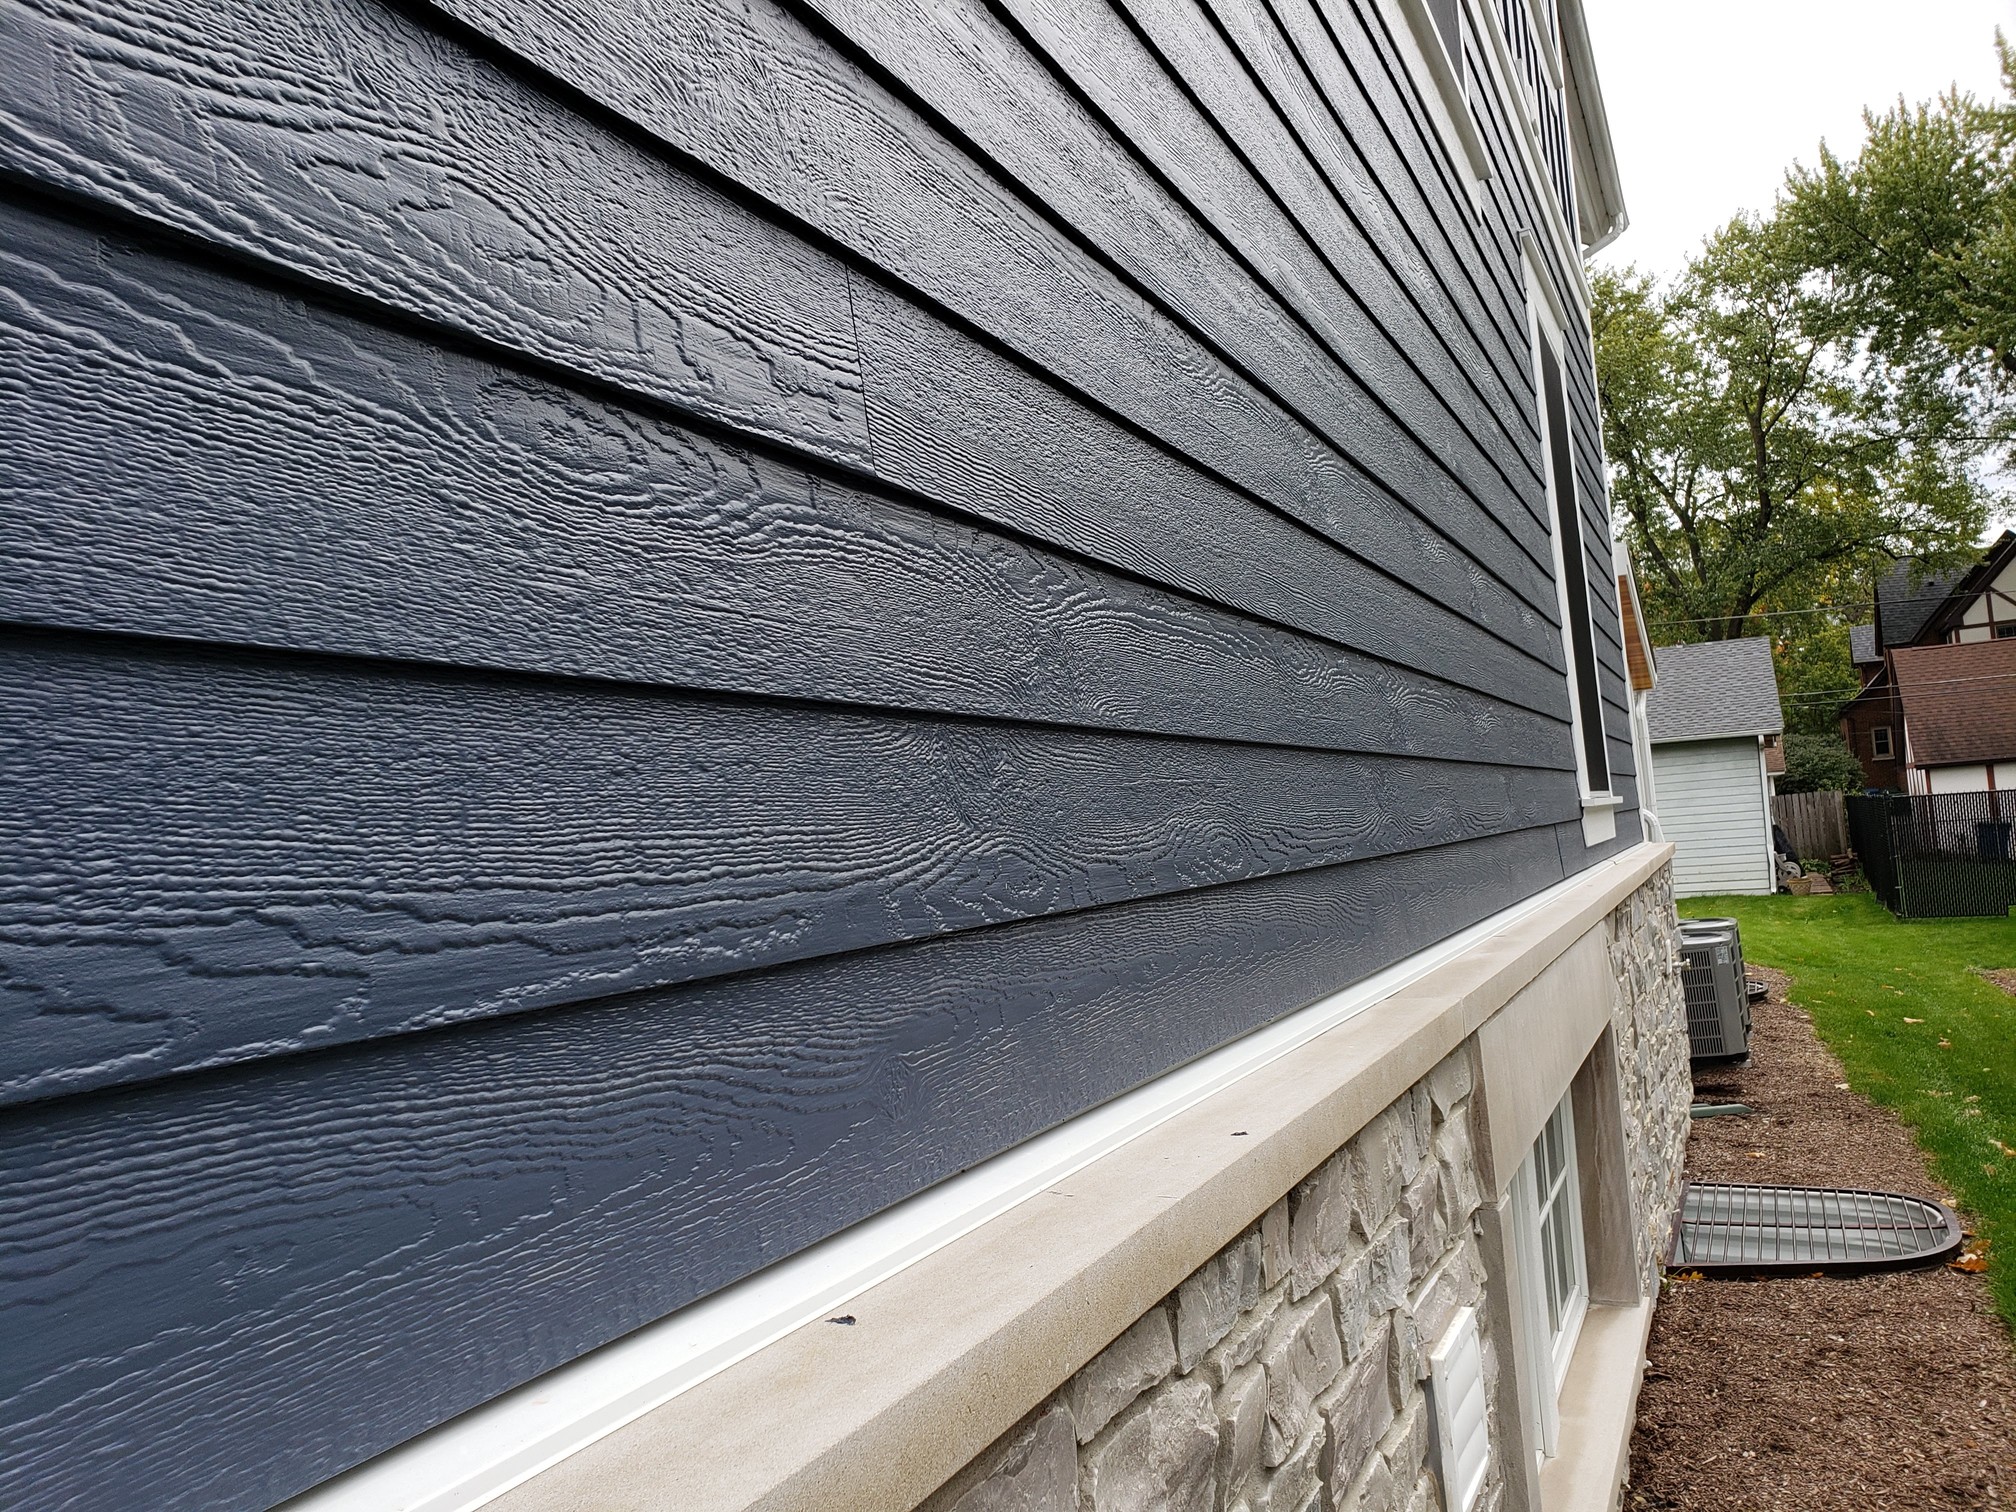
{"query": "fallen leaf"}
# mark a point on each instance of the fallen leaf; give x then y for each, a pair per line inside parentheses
(1870, 1011)
(1914, 1021)
(1973, 1261)
(1840, 1086)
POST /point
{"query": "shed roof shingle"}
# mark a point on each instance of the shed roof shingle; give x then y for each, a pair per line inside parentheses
(1959, 701)
(1713, 688)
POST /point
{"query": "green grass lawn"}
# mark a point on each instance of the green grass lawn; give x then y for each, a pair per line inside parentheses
(1866, 978)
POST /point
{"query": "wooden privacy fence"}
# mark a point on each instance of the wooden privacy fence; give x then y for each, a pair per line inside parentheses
(1815, 823)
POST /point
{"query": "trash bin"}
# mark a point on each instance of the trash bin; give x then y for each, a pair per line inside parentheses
(1991, 839)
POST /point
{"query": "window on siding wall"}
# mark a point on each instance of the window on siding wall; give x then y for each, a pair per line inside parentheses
(1879, 743)
(1448, 18)
(1431, 39)
(1571, 564)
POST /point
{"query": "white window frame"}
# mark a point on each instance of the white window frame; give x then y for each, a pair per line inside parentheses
(1442, 79)
(1553, 1300)
(1547, 323)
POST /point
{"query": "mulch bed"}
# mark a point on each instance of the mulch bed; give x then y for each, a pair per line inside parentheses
(1885, 1393)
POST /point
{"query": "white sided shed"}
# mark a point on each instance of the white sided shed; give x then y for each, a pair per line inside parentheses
(1713, 718)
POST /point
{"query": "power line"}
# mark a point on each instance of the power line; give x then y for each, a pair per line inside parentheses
(1822, 695)
(1855, 606)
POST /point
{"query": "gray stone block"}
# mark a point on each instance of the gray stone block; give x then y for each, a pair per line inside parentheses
(1303, 1357)
(1320, 1235)
(1242, 1419)
(1241, 1346)
(1158, 1457)
(1139, 1358)
(1416, 1129)
(1450, 1082)
(1456, 1159)
(1296, 1482)
(1372, 1491)
(1037, 1471)
(1211, 1300)
(1427, 1230)
(1448, 1286)
(1410, 1357)
(1391, 1268)
(1376, 1180)
(1275, 1255)
(1406, 1442)
(1357, 1414)
(1351, 1292)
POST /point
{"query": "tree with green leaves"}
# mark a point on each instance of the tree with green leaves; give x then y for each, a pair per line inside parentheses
(1761, 457)
(1918, 231)
(1820, 763)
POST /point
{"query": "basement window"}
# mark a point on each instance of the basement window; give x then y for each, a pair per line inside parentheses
(1553, 1265)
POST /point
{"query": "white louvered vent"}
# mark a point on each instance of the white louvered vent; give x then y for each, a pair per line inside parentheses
(1456, 1390)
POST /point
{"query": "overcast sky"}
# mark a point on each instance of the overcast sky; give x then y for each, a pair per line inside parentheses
(1711, 101)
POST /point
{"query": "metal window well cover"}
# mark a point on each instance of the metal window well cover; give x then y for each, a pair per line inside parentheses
(1731, 1229)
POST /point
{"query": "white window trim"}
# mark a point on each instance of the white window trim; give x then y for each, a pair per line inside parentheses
(1561, 237)
(1547, 321)
(1882, 743)
(1555, 1347)
(1440, 81)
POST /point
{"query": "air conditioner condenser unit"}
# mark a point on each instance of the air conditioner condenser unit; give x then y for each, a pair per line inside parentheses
(1711, 973)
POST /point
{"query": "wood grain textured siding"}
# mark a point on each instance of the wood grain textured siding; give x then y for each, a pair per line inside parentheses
(394, 1232)
(631, 629)
(639, 549)
(205, 819)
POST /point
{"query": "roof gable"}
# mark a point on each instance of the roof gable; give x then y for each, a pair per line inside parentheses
(1714, 688)
(1959, 701)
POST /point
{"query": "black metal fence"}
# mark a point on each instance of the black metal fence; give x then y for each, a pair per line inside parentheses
(1938, 855)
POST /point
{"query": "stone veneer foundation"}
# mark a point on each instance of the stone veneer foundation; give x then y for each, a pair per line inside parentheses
(1287, 1373)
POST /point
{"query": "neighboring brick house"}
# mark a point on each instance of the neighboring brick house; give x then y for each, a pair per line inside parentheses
(818, 754)
(1937, 709)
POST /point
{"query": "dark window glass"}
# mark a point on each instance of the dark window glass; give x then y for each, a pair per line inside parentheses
(1444, 12)
(1574, 573)
(2003, 632)
(1879, 742)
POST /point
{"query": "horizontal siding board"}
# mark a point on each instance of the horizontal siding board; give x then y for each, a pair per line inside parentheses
(355, 491)
(1347, 69)
(295, 853)
(332, 1252)
(858, 164)
(965, 424)
(1347, 358)
(348, 234)
(1459, 429)
(338, 140)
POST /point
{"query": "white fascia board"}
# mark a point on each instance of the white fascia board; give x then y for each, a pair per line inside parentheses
(485, 1452)
(1589, 129)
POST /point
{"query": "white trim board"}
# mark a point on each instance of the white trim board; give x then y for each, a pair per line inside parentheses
(480, 1455)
